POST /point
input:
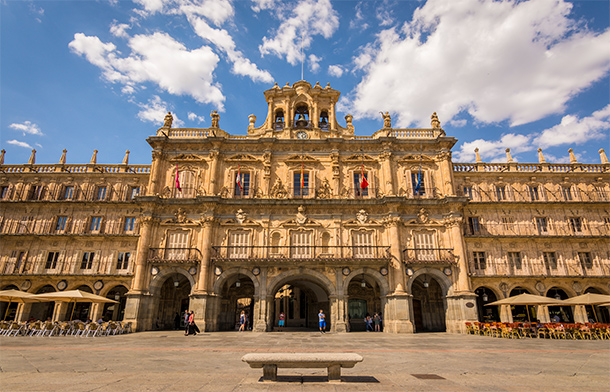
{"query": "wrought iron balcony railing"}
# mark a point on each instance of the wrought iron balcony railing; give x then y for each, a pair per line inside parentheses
(300, 253)
(174, 255)
(428, 256)
(538, 267)
(539, 195)
(531, 229)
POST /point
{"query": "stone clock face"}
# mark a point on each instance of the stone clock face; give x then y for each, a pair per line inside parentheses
(301, 135)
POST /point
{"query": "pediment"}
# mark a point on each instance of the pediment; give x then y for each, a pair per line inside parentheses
(242, 158)
(301, 158)
(187, 157)
(356, 222)
(410, 158)
(358, 158)
(295, 223)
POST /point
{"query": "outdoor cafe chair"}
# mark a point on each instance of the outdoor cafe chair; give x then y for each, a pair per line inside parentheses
(91, 330)
(35, 328)
(78, 329)
(15, 329)
(3, 327)
(50, 328)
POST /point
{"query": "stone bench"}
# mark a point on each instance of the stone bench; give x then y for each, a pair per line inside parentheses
(332, 361)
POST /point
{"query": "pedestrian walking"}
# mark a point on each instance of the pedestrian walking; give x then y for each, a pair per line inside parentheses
(186, 322)
(282, 319)
(377, 322)
(193, 329)
(322, 321)
(242, 321)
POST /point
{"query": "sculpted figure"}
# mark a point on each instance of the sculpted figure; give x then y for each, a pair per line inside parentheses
(167, 121)
(215, 118)
(387, 120)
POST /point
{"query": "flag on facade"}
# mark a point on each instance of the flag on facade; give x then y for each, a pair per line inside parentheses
(178, 179)
(238, 179)
(363, 182)
(419, 184)
(302, 178)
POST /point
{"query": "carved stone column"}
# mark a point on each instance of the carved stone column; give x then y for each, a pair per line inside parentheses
(140, 274)
(397, 283)
(266, 180)
(447, 180)
(336, 167)
(386, 164)
(213, 169)
(155, 172)
(204, 269)
(454, 224)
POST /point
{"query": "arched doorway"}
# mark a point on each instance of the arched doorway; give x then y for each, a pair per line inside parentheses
(364, 299)
(563, 312)
(487, 314)
(237, 296)
(520, 312)
(428, 304)
(173, 301)
(43, 310)
(80, 310)
(114, 311)
(11, 312)
(301, 300)
(599, 314)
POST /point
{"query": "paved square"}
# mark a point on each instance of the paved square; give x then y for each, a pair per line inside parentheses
(169, 361)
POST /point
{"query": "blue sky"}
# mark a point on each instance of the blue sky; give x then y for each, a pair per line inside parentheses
(85, 75)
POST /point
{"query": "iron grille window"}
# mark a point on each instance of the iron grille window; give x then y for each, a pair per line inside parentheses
(239, 245)
(298, 190)
(244, 181)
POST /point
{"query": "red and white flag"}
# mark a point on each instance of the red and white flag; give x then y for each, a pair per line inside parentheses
(178, 179)
(238, 179)
(363, 183)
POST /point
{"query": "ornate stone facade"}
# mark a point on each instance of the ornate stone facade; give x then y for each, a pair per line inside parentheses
(299, 215)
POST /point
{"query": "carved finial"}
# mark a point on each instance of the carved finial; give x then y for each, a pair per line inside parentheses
(435, 122)
(2, 156)
(252, 120)
(540, 156)
(509, 158)
(477, 157)
(32, 159)
(167, 121)
(572, 156)
(94, 157)
(126, 158)
(602, 156)
(62, 160)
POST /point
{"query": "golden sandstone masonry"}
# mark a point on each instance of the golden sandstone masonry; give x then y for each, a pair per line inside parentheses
(300, 215)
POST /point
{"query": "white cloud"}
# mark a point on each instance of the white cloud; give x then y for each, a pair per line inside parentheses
(118, 29)
(18, 143)
(573, 130)
(458, 123)
(260, 5)
(155, 110)
(194, 117)
(335, 70)
(311, 17)
(383, 13)
(156, 58)
(512, 60)
(358, 22)
(494, 151)
(314, 63)
(27, 127)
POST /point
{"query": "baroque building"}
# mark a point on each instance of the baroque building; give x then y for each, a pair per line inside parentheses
(300, 214)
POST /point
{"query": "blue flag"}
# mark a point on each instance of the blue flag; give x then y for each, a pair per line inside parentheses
(419, 184)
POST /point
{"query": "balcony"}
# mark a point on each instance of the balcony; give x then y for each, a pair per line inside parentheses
(48, 227)
(429, 256)
(537, 267)
(528, 229)
(174, 255)
(65, 266)
(334, 255)
(542, 195)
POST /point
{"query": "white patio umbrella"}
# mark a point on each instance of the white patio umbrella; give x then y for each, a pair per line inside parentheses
(11, 296)
(74, 296)
(527, 300)
(588, 299)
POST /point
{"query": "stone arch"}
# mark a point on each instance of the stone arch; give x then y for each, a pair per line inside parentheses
(596, 287)
(158, 281)
(443, 280)
(526, 286)
(376, 275)
(498, 293)
(566, 289)
(232, 272)
(317, 277)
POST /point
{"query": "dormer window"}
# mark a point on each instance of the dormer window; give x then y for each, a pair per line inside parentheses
(301, 118)
(324, 120)
(278, 123)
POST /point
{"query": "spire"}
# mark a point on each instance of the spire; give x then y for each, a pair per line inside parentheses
(572, 157)
(477, 156)
(126, 159)
(94, 158)
(602, 156)
(62, 160)
(540, 156)
(509, 158)
(32, 159)
(2, 156)
(435, 123)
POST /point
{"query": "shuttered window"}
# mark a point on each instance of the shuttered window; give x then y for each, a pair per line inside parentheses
(363, 243)
(301, 245)
(177, 245)
(187, 184)
(424, 245)
(239, 245)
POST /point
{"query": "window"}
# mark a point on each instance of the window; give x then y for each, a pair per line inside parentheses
(187, 184)
(177, 246)
(68, 193)
(130, 222)
(134, 191)
(19, 260)
(566, 192)
(362, 245)
(239, 245)
(575, 224)
(415, 179)
(96, 223)
(542, 225)
(585, 260)
(301, 245)
(275, 243)
(473, 225)
(101, 193)
(87, 261)
(508, 223)
(242, 184)
(298, 190)
(424, 246)
(468, 192)
(500, 193)
(35, 192)
(122, 261)
(52, 258)
(533, 191)
(600, 193)
(550, 260)
(358, 190)
(4, 192)
(479, 260)
(61, 223)
(514, 260)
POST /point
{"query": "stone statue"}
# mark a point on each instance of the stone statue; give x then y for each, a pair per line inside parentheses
(509, 158)
(278, 191)
(32, 159)
(126, 158)
(215, 117)
(540, 156)
(2, 156)
(387, 120)
(572, 156)
(325, 191)
(602, 156)
(477, 156)
(62, 160)
(94, 157)
(167, 121)
(349, 125)
(435, 123)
